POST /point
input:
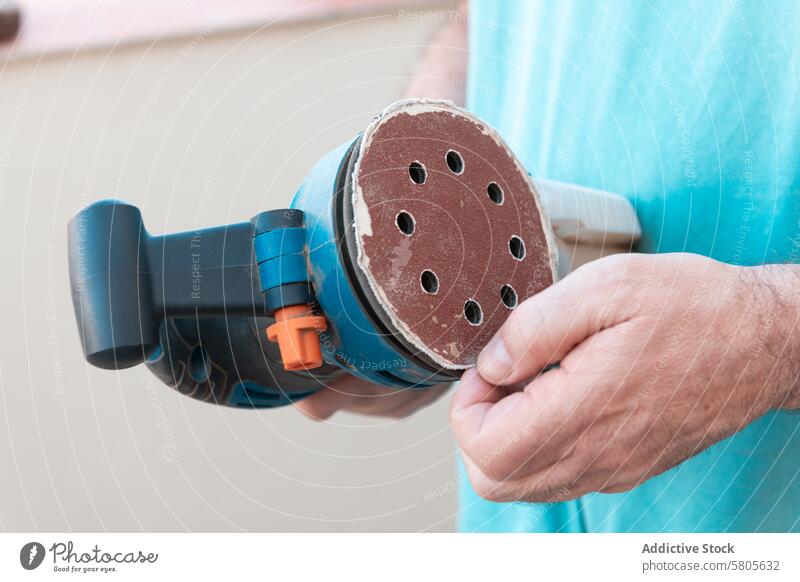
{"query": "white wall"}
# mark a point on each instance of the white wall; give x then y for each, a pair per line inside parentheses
(197, 132)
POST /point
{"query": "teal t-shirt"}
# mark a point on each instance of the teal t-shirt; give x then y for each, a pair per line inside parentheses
(691, 110)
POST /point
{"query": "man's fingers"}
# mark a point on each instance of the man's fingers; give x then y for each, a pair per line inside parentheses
(474, 400)
(544, 328)
(419, 399)
(471, 403)
(550, 485)
(343, 393)
(354, 395)
(509, 434)
(323, 404)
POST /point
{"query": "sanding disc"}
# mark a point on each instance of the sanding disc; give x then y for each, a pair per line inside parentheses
(449, 230)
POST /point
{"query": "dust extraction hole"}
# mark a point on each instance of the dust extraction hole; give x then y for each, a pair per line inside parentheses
(455, 162)
(495, 193)
(405, 222)
(517, 247)
(473, 312)
(417, 172)
(429, 282)
(508, 296)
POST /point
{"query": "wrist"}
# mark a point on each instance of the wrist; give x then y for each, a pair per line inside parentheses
(778, 322)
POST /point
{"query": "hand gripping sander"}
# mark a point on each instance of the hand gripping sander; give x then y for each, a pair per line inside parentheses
(399, 257)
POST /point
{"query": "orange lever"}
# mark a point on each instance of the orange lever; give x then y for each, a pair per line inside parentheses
(296, 332)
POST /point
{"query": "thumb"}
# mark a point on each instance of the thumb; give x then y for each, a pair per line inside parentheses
(544, 328)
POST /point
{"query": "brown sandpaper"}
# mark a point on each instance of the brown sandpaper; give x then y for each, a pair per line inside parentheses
(459, 232)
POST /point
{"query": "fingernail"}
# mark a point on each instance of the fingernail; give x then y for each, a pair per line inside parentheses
(494, 363)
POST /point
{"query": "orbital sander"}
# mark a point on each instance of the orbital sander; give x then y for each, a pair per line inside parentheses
(400, 256)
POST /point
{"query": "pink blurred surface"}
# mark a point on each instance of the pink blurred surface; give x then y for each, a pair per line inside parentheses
(68, 25)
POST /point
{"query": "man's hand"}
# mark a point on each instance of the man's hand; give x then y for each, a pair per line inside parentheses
(354, 395)
(660, 357)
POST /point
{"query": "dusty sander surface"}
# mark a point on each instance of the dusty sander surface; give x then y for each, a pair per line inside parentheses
(450, 232)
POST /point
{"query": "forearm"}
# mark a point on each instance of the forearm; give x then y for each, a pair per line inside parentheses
(442, 70)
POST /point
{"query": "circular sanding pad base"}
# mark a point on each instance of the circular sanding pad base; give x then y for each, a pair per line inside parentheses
(449, 230)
